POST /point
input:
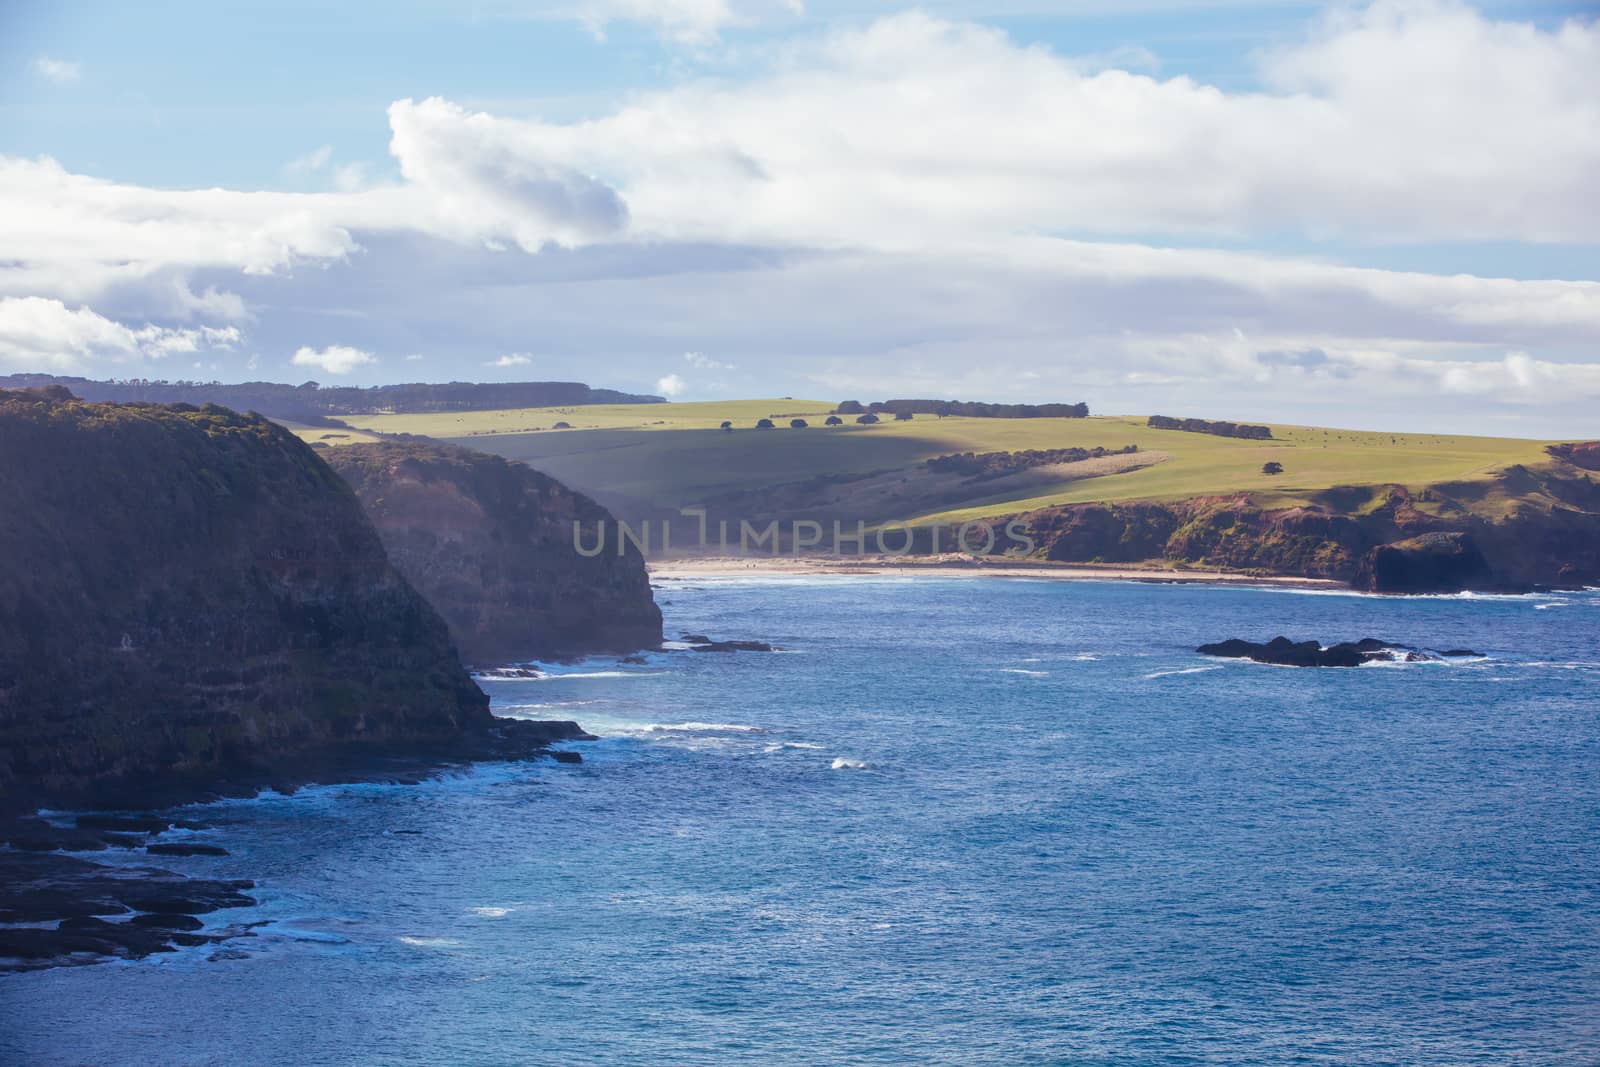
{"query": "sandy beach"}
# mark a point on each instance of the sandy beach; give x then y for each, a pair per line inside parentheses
(955, 565)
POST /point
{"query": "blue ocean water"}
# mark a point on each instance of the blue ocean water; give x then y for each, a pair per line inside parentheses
(957, 821)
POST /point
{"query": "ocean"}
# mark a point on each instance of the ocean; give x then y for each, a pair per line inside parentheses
(952, 821)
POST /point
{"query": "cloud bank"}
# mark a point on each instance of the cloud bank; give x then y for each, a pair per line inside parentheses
(891, 206)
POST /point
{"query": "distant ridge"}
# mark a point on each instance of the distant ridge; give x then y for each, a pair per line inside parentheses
(311, 401)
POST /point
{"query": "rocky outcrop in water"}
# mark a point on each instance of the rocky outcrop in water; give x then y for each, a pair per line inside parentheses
(60, 910)
(191, 599)
(490, 543)
(702, 643)
(1282, 652)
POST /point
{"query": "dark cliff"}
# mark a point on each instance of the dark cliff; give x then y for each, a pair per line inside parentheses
(490, 543)
(1523, 528)
(191, 595)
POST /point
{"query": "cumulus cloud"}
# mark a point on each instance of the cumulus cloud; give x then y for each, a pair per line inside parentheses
(513, 360)
(482, 185)
(1407, 119)
(60, 71)
(76, 237)
(670, 385)
(335, 359)
(42, 334)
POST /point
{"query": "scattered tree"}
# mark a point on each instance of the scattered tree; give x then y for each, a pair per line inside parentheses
(867, 420)
(1219, 429)
(1272, 467)
(834, 420)
(850, 407)
(981, 410)
(764, 424)
(727, 426)
(902, 416)
(798, 424)
(562, 426)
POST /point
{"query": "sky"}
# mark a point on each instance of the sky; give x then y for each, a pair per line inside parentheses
(1376, 215)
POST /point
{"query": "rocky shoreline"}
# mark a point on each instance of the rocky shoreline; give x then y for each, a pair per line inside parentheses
(59, 908)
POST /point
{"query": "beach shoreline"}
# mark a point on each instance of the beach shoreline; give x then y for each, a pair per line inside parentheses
(955, 565)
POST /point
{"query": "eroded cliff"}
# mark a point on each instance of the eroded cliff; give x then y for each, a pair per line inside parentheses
(1525, 527)
(192, 595)
(490, 543)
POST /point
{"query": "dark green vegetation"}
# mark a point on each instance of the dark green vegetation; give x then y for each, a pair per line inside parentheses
(190, 595)
(490, 544)
(999, 464)
(311, 401)
(974, 409)
(1219, 429)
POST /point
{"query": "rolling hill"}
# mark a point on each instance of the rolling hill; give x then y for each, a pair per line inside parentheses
(667, 456)
(1135, 493)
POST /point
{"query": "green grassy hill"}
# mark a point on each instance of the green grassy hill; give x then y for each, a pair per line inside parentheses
(645, 458)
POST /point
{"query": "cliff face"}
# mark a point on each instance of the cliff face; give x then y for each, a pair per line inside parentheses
(1431, 563)
(192, 595)
(489, 542)
(1524, 528)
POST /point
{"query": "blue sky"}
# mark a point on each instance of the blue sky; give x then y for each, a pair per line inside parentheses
(705, 197)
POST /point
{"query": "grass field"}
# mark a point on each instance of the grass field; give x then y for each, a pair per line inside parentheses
(641, 457)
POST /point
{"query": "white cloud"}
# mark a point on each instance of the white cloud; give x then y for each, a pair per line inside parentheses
(76, 237)
(60, 71)
(513, 360)
(670, 385)
(1412, 119)
(335, 359)
(348, 177)
(415, 357)
(1407, 119)
(881, 204)
(311, 162)
(480, 187)
(38, 333)
(700, 361)
(687, 22)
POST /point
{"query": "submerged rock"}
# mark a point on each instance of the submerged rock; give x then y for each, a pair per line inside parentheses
(511, 673)
(184, 848)
(702, 643)
(133, 824)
